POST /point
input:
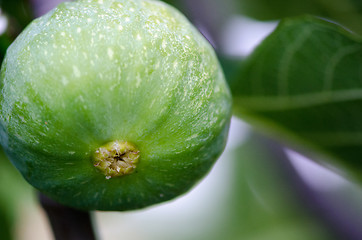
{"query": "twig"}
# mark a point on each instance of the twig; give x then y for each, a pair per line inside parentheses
(67, 223)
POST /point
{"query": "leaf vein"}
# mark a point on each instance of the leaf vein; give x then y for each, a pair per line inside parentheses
(277, 103)
(335, 59)
(286, 60)
(336, 138)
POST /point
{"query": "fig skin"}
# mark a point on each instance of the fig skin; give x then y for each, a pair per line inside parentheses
(92, 72)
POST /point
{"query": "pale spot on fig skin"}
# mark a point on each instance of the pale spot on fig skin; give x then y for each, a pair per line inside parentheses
(192, 137)
(138, 81)
(26, 99)
(157, 65)
(79, 30)
(78, 194)
(42, 68)
(113, 87)
(81, 98)
(22, 119)
(84, 182)
(76, 71)
(96, 194)
(110, 53)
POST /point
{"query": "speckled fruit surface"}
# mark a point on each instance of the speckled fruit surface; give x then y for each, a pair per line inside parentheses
(128, 85)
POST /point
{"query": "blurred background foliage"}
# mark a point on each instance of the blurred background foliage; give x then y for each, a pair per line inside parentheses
(14, 194)
(263, 196)
(263, 205)
(346, 12)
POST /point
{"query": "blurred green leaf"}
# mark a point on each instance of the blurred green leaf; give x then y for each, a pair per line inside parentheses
(18, 14)
(171, 2)
(231, 66)
(5, 42)
(6, 225)
(277, 9)
(347, 12)
(14, 192)
(19, 10)
(305, 81)
(176, 3)
(266, 203)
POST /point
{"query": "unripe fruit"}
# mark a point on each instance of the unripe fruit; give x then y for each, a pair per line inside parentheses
(113, 104)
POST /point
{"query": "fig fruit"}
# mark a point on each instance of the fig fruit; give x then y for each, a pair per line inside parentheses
(113, 104)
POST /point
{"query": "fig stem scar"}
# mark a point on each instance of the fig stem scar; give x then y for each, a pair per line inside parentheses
(116, 158)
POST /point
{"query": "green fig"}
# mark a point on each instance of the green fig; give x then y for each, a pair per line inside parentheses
(113, 104)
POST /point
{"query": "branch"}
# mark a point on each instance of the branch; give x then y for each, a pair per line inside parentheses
(67, 223)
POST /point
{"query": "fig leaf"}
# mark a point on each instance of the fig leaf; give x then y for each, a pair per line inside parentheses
(305, 81)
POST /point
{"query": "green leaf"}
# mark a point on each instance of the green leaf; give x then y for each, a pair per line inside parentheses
(19, 10)
(6, 225)
(231, 67)
(14, 194)
(18, 14)
(5, 42)
(305, 81)
(171, 2)
(266, 203)
(272, 10)
(180, 5)
(347, 12)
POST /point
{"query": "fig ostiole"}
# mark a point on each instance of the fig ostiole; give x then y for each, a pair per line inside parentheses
(116, 159)
(113, 104)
